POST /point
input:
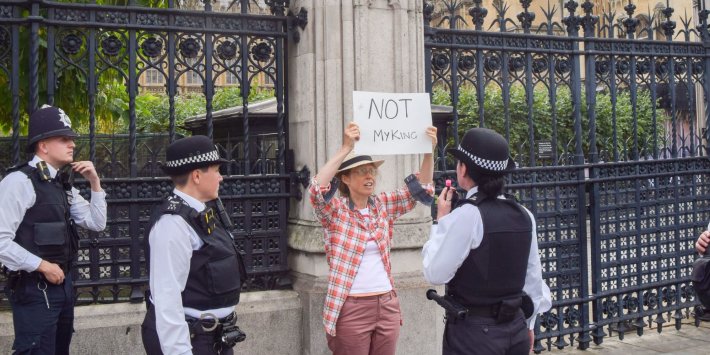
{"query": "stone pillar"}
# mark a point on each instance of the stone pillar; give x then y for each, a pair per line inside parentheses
(349, 45)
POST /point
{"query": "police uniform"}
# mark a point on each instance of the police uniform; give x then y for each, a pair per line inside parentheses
(486, 252)
(196, 271)
(40, 209)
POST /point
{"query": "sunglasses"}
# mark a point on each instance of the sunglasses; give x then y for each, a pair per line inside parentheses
(365, 170)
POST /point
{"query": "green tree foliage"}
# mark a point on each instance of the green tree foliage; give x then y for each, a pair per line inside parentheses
(516, 128)
(153, 110)
(71, 90)
(71, 87)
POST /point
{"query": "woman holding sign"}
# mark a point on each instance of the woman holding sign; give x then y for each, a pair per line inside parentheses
(361, 313)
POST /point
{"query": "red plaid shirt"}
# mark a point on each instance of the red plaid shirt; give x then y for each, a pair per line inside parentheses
(346, 234)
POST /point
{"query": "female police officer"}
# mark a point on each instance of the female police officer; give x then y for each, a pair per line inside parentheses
(195, 269)
(486, 253)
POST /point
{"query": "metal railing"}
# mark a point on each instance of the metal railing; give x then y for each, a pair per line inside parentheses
(74, 55)
(605, 115)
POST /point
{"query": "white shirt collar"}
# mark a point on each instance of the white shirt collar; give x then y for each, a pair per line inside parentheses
(36, 159)
(472, 191)
(193, 202)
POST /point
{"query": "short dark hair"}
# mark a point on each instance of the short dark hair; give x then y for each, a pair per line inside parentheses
(490, 184)
(181, 180)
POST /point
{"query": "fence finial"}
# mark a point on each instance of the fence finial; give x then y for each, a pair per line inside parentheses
(630, 23)
(428, 11)
(572, 21)
(702, 20)
(589, 21)
(208, 5)
(477, 13)
(277, 7)
(668, 25)
(526, 17)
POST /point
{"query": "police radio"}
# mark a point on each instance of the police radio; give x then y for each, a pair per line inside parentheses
(223, 215)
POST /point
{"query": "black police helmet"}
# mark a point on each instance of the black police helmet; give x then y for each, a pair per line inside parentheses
(484, 150)
(47, 122)
(190, 153)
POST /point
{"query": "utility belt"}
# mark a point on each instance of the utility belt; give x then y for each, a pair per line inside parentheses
(16, 278)
(225, 332)
(208, 324)
(503, 311)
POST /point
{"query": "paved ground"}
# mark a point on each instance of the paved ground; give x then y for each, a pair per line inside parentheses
(689, 340)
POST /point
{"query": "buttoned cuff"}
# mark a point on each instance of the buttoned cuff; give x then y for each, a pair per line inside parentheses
(32, 262)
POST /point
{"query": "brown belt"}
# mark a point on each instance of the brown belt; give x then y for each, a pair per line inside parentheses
(373, 297)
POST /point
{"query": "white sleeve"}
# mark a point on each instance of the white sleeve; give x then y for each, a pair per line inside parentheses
(170, 253)
(89, 215)
(450, 242)
(17, 195)
(535, 286)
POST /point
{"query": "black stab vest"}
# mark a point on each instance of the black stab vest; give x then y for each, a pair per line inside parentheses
(216, 269)
(45, 228)
(496, 270)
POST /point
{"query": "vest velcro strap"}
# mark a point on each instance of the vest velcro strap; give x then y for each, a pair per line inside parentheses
(490, 311)
(503, 312)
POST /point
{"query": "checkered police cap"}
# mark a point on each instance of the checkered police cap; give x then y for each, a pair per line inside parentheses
(190, 153)
(207, 157)
(492, 165)
(485, 150)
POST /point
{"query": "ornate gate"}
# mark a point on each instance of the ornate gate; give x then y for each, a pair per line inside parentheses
(606, 112)
(74, 55)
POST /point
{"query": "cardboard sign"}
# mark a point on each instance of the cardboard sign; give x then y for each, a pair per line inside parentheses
(392, 123)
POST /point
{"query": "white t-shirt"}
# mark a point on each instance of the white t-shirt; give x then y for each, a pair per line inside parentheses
(371, 275)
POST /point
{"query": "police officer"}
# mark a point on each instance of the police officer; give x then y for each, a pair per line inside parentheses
(701, 276)
(486, 252)
(38, 242)
(703, 241)
(196, 271)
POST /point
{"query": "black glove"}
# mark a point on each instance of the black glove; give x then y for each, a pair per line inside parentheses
(417, 191)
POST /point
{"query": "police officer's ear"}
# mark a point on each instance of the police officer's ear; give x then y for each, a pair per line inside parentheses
(463, 167)
(195, 176)
(41, 147)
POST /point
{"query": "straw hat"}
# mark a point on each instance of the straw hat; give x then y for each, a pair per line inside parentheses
(352, 160)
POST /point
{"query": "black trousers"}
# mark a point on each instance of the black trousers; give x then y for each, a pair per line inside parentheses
(42, 329)
(478, 335)
(203, 343)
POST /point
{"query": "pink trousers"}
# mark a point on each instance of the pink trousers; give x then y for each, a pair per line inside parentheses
(367, 325)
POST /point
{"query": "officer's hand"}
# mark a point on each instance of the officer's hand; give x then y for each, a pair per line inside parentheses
(443, 203)
(702, 244)
(52, 272)
(88, 171)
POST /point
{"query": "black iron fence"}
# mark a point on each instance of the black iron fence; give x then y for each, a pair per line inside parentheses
(67, 52)
(606, 114)
(606, 111)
